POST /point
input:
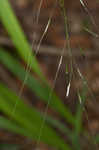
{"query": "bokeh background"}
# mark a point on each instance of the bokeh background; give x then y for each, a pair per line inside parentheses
(79, 20)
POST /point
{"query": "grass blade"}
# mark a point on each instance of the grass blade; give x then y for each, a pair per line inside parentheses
(28, 118)
(43, 92)
(12, 25)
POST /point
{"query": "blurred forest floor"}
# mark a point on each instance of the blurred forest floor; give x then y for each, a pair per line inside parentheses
(78, 18)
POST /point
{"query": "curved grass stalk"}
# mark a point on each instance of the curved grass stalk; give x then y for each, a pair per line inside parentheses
(59, 65)
(63, 11)
(84, 4)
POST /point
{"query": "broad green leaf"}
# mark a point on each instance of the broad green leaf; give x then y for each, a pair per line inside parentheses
(55, 123)
(12, 126)
(28, 118)
(12, 25)
(41, 91)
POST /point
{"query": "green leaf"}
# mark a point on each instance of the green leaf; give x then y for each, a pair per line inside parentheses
(96, 139)
(12, 25)
(28, 118)
(12, 126)
(78, 120)
(40, 90)
(9, 147)
(57, 124)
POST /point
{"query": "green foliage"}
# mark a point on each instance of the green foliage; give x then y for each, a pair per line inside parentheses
(24, 119)
(9, 146)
